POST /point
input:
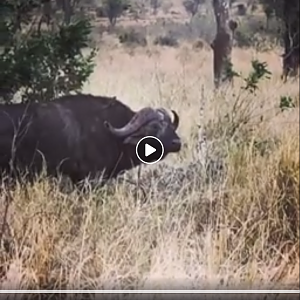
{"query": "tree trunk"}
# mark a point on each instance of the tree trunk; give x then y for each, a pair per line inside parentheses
(67, 9)
(46, 14)
(222, 44)
(290, 58)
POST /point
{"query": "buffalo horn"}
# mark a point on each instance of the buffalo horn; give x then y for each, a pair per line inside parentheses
(139, 119)
(166, 115)
(163, 113)
(176, 119)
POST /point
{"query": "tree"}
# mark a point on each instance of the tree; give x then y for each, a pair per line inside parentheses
(288, 13)
(68, 7)
(155, 4)
(68, 11)
(39, 61)
(113, 9)
(268, 8)
(222, 43)
(192, 6)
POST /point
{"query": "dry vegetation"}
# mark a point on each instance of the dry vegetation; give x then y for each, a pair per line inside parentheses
(242, 232)
(238, 231)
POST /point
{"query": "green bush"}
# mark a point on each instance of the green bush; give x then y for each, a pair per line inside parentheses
(42, 63)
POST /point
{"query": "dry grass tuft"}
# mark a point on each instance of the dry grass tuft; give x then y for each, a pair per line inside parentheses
(240, 230)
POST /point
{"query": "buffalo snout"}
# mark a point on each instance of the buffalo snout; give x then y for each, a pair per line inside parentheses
(171, 140)
(176, 145)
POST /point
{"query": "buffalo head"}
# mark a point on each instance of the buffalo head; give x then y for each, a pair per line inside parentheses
(149, 121)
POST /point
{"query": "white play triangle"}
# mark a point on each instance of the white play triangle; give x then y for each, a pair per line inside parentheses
(149, 150)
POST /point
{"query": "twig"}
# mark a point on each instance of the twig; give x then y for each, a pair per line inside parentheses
(201, 148)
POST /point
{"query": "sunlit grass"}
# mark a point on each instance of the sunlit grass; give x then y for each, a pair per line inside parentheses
(243, 233)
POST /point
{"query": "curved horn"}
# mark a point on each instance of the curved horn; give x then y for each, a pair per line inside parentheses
(176, 119)
(167, 116)
(139, 119)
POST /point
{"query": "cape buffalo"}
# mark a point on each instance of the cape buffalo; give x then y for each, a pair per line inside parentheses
(79, 136)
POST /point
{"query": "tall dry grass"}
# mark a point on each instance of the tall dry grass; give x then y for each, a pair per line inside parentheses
(241, 232)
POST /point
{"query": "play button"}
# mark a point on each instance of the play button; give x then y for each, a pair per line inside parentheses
(149, 150)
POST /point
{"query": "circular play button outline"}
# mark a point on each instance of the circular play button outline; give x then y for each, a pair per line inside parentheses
(162, 149)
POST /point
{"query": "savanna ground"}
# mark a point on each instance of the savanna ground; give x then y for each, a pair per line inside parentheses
(238, 231)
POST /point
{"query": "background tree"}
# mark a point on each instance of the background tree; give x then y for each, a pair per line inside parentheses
(287, 13)
(192, 6)
(68, 10)
(113, 9)
(39, 61)
(269, 10)
(222, 43)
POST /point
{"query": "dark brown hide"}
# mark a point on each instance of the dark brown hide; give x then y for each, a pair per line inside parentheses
(69, 135)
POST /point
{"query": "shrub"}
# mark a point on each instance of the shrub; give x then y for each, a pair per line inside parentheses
(199, 44)
(100, 12)
(166, 40)
(42, 62)
(241, 9)
(132, 37)
(252, 32)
